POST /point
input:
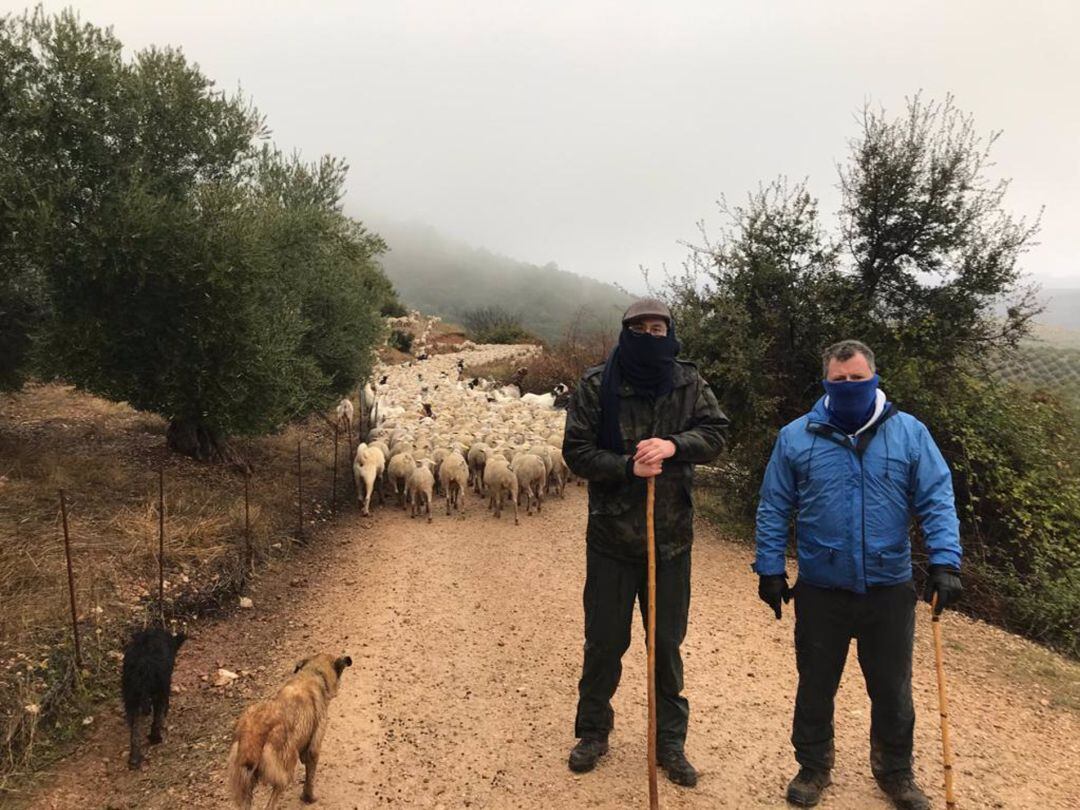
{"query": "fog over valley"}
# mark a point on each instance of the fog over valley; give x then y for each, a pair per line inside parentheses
(597, 135)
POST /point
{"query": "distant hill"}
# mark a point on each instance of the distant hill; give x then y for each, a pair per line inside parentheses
(1050, 357)
(1059, 336)
(1062, 308)
(1061, 312)
(442, 276)
(1042, 365)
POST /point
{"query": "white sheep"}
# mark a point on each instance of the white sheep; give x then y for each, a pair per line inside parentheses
(400, 447)
(345, 415)
(383, 448)
(419, 489)
(398, 470)
(507, 392)
(384, 411)
(369, 465)
(543, 451)
(454, 477)
(367, 401)
(560, 472)
(477, 458)
(502, 482)
(532, 478)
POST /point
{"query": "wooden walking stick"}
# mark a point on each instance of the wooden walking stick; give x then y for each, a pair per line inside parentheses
(650, 637)
(943, 706)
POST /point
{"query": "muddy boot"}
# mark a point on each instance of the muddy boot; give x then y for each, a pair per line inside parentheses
(805, 789)
(904, 793)
(678, 767)
(587, 753)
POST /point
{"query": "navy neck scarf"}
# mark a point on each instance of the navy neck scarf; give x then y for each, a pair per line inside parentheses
(851, 403)
(647, 363)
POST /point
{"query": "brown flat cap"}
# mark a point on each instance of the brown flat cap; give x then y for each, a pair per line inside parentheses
(647, 308)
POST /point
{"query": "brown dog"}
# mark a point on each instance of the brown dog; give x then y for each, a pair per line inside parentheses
(271, 735)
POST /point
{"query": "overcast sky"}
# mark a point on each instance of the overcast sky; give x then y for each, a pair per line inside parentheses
(596, 134)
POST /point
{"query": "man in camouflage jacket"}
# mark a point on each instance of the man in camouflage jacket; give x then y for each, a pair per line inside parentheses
(664, 437)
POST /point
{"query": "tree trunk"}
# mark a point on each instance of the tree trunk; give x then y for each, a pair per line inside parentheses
(203, 444)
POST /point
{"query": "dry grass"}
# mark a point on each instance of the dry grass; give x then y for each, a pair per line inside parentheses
(563, 362)
(106, 458)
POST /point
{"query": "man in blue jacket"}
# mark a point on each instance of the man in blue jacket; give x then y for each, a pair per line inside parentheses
(853, 471)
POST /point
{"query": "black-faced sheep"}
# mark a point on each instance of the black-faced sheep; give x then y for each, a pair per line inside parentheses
(547, 401)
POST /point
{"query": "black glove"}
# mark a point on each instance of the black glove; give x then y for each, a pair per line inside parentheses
(772, 590)
(946, 583)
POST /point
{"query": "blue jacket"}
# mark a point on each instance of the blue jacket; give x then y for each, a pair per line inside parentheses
(854, 500)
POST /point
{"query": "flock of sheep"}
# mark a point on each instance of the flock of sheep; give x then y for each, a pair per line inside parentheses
(436, 434)
(432, 433)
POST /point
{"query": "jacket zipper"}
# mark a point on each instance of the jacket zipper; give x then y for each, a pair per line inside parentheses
(847, 442)
(862, 503)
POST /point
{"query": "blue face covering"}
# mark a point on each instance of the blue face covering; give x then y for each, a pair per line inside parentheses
(851, 403)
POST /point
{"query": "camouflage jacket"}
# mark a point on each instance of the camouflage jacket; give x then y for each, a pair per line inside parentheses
(689, 416)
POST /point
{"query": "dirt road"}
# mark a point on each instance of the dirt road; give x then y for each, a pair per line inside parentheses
(466, 637)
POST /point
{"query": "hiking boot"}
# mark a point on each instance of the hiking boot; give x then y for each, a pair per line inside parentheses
(805, 789)
(678, 767)
(587, 752)
(904, 793)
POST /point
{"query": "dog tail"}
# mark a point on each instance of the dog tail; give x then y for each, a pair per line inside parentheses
(244, 761)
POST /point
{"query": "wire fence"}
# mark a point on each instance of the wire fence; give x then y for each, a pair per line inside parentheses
(87, 652)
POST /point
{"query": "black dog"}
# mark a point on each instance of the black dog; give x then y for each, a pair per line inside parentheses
(146, 683)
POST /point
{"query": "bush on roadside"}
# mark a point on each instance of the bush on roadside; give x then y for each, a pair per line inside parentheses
(562, 362)
(401, 340)
(161, 252)
(918, 267)
(495, 325)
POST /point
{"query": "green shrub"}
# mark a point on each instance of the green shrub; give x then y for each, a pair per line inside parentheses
(401, 340)
(155, 250)
(1015, 456)
(495, 325)
(920, 261)
(503, 334)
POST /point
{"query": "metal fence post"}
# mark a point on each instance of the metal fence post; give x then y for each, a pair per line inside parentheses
(299, 495)
(71, 582)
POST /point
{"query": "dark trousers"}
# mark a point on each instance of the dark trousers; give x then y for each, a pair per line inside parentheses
(611, 588)
(882, 622)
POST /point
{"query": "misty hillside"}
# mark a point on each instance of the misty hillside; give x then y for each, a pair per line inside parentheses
(442, 276)
(1062, 308)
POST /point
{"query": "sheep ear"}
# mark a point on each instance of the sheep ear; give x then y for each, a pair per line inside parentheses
(341, 663)
(300, 665)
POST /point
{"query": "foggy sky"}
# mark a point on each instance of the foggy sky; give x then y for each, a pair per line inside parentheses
(596, 134)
